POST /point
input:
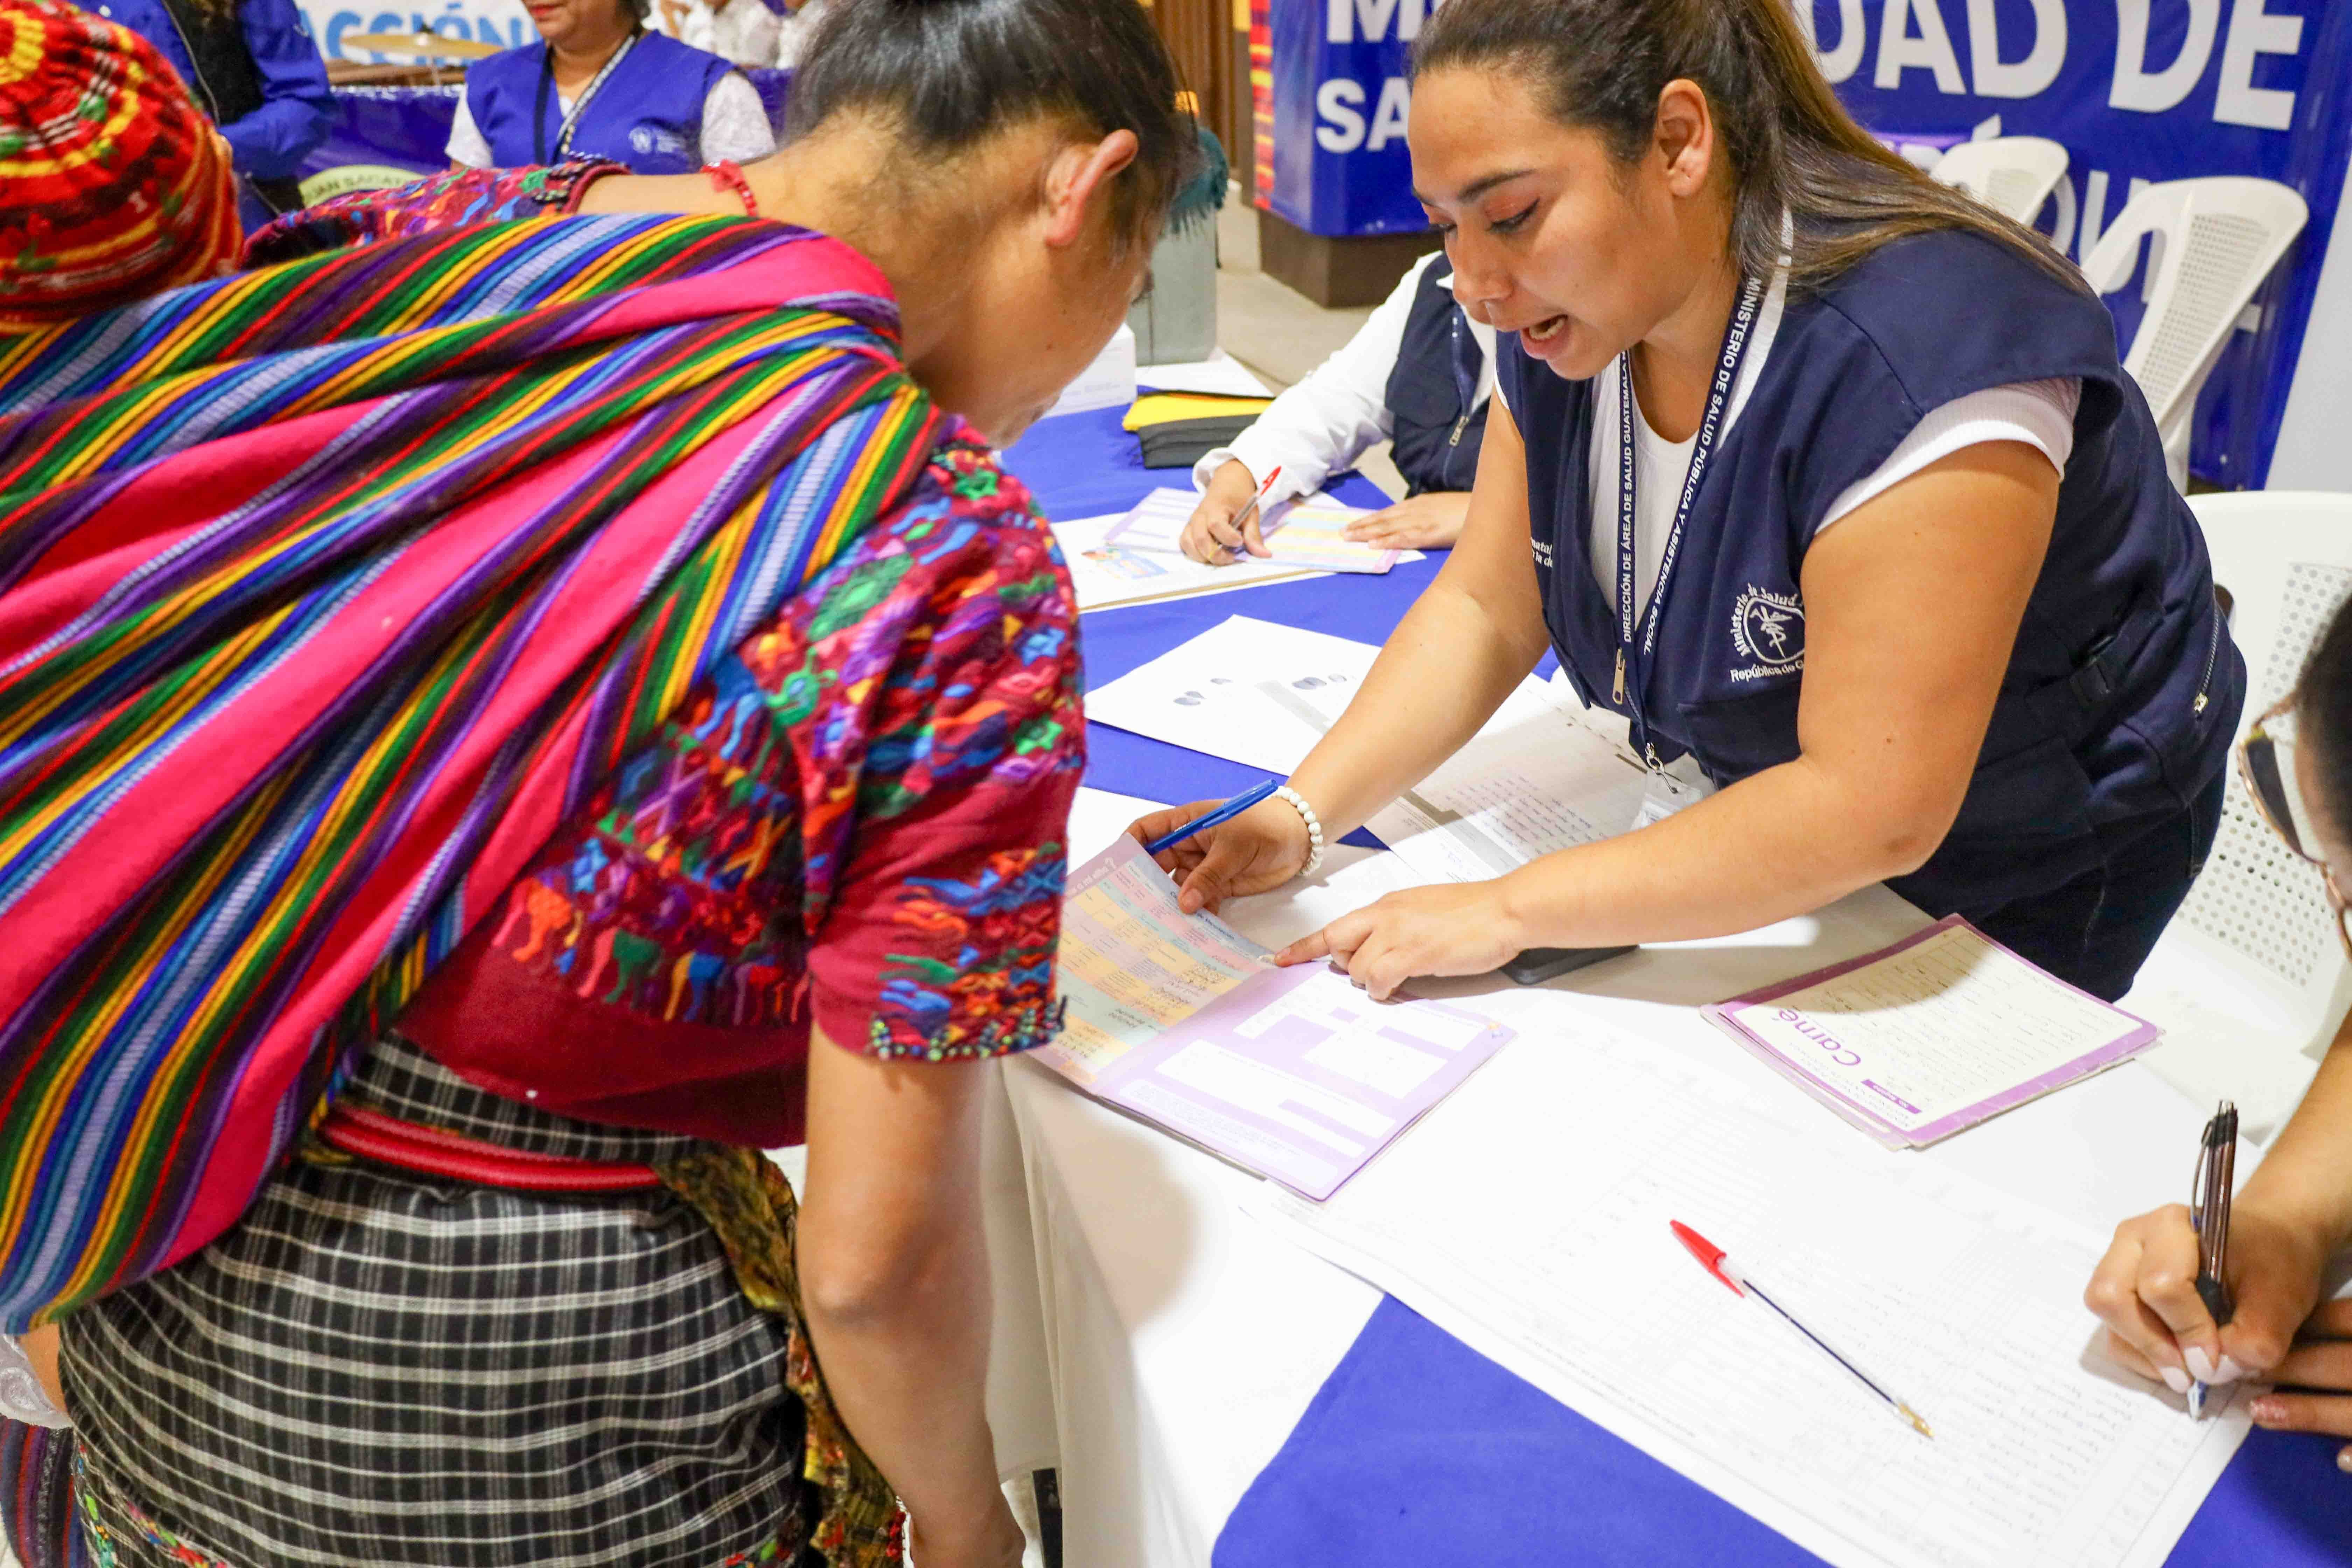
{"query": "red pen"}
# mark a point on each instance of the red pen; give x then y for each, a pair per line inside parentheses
(1241, 516)
(1714, 1261)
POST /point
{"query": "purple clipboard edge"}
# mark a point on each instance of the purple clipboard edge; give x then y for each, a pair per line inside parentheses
(1725, 1015)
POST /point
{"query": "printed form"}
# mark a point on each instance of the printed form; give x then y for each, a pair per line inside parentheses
(1933, 1034)
(1307, 533)
(1292, 1073)
(1534, 779)
(1544, 1244)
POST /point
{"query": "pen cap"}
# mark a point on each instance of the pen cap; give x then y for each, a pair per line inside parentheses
(1710, 1256)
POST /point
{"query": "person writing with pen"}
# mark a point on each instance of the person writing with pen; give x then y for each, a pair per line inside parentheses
(1885, 590)
(2294, 1213)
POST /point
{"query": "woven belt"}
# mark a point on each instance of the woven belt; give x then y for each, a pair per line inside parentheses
(432, 1152)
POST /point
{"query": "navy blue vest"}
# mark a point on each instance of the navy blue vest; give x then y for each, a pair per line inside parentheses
(2124, 690)
(1436, 446)
(648, 114)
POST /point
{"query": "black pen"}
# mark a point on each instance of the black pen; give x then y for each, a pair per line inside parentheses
(2217, 1163)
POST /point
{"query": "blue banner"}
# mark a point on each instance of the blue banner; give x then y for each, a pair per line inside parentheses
(2137, 91)
(1340, 165)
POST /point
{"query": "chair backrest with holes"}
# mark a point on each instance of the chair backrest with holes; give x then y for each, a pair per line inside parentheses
(2258, 912)
(2219, 238)
(2011, 175)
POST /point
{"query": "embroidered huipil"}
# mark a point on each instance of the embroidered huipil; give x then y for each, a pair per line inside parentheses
(856, 826)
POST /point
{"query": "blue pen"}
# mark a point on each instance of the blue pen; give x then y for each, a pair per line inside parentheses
(1224, 814)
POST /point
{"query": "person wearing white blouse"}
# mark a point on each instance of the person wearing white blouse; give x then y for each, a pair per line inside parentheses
(1419, 374)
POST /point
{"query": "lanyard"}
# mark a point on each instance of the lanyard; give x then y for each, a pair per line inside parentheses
(1468, 360)
(571, 121)
(1633, 662)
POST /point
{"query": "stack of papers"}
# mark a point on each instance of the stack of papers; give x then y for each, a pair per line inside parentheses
(1932, 1035)
(1290, 1073)
(1527, 1216)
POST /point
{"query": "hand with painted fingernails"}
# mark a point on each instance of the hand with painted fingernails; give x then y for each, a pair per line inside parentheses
(2145, 1290)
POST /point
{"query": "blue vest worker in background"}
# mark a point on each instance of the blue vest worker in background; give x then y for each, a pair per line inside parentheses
(253, 66)
(601, 85)
(1826, 479)
(1417, 374)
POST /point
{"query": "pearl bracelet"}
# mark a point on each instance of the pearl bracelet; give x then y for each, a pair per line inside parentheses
(1314, 829)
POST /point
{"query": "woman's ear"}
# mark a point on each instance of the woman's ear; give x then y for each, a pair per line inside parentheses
(1077, 178)
(1686, 135)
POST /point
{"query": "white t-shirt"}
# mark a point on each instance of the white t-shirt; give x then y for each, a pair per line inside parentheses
(2039, 412)
(734, 126)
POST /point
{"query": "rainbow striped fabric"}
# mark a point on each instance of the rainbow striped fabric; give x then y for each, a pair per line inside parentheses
(327, 593)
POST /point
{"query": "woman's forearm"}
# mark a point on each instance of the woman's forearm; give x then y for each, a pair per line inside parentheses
(2305, 1178)
(1751, 855)
(1443, 673)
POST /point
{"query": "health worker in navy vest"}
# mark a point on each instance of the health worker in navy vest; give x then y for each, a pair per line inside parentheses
(1823, 476)
(1417, 374)
(252, 67)
(602, 85)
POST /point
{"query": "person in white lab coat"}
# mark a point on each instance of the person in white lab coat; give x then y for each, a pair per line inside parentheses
(1418, 373)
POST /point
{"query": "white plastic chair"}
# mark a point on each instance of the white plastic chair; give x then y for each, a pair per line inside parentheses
(2249, 982)
(2011, 175)
(2217, 239)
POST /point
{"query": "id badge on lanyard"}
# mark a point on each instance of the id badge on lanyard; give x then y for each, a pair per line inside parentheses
(578, 105)
(1634, 656)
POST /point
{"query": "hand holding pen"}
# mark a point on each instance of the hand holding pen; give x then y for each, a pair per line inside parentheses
(2162, 1325)
(1229, 521)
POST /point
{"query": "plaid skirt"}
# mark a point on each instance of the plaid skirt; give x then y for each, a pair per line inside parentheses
(381, 1368)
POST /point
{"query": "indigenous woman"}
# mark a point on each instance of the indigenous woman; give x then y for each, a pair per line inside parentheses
(497, 727)
(602, 85)
(1821, 475)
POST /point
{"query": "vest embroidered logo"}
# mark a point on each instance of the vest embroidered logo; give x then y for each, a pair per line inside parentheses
(1769, 628)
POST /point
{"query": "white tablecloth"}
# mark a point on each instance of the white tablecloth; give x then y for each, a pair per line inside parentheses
(1179, 1341)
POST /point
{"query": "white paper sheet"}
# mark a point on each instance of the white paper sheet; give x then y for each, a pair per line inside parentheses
(1523, 787)
(1219, 373)
(1527, 1216)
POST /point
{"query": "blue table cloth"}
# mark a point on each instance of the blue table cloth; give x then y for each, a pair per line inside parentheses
(1417, 1450)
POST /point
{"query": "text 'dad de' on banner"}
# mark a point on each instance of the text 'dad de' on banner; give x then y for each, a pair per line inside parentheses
(2136, 91)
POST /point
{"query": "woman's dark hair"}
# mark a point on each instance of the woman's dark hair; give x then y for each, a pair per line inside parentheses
(953, 72)
(2323, 715)
(1601, 65)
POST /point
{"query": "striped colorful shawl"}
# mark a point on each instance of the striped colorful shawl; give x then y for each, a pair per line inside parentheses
(327, 593)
